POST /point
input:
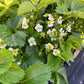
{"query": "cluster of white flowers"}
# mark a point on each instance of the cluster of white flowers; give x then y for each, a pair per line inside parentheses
(49, 47)
(50, 18)
(2, 45)
(25, 23)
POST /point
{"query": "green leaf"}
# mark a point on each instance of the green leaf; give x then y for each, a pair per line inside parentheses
(31, 50)
(60, 79)
(68, 3)
(16, 39)
(25, 7)
(13, 23)
(31, 57)
(77, 5)
(13, 75)
(11, 2)
(65, 56)
(6, 59)
(53, 62)
(44, 3)
(62, 8)
(66, 48)
(62, 72)
(34, 2)
(37, 73)
(75, 41)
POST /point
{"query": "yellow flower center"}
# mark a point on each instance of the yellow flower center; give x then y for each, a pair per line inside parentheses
(32, 41)
(62, 32)
(24, 25)
(46, 14)
(1, 43)
(49, 46)
(59, 19)
(15, 51)
(68, 29)
(39, 28)
(49, 23)
(51, 32)
(42, 34)
(56, 45)
(51, 16)
(55, 51)
(53, 37)
(27, 20)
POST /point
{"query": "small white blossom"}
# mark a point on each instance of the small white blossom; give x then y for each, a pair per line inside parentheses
(25, 21)
(15, 51)
(53, 38)
(60, 20)
(50, 23)
(68, 29)
(2, 45)
(62, 33)
(39, 28)
(46, 15)
(55, 52)
(50, 17)
(51, 32)
(18, 63)
(25, 26)
(32, 41)
(49, 46)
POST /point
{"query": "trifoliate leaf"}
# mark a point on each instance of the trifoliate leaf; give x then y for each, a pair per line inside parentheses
(12, 39)
(14, 75)
(37, 73)
(6, 59)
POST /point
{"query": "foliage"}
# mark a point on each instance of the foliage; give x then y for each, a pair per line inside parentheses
(37, 37)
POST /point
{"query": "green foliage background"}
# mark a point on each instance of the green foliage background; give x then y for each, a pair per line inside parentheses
(35, 69)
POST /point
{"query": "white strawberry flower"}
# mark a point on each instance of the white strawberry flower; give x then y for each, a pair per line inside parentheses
(25, 26)
(62, 33)
(68, 29)
(55, 52)
(32, 41)
(25, 21)
(46, 15)
(50, 17)
(50, 23)
(53, 38)
(51, 32)
(2, 45)
(18, 63)
(60, 20)
(49, 46)
(15, 51)
(39, 28)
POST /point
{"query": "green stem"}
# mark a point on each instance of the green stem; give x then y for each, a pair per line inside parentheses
(67, 18)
